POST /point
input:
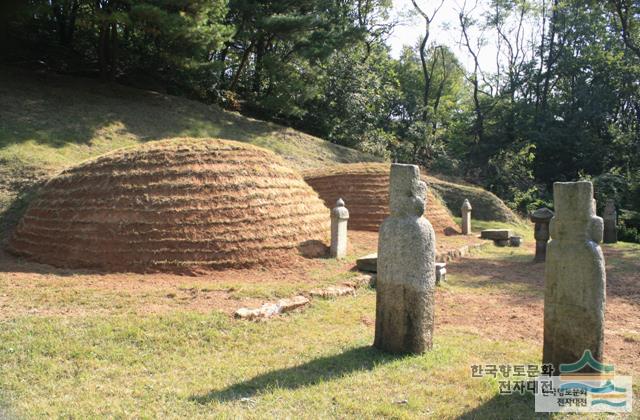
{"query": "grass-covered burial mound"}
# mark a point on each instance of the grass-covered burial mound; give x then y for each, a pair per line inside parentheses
(180, 205)
(365, 190)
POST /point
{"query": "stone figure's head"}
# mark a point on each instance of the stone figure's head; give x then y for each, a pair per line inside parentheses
(573, 200)
(610, 208)
(466, 206)
(340, 211)
(575, 216)
(406, 192)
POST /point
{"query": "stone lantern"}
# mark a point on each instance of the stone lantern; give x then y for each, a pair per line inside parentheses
(465, 210)
(339, 219)
(541, 218)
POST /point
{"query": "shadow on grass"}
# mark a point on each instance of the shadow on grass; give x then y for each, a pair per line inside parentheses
(513, 273)
(517, 273)
(514, 406)
(364, 358)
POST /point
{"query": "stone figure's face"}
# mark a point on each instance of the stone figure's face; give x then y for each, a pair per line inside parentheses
(418, 197)
(610, 208)
(573, 200)
(406, 191)
(410, 202)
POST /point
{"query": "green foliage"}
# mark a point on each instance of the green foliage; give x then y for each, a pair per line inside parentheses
(628, 233)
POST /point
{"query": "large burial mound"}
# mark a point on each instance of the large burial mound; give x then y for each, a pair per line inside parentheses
(180, 205)
(365, 190)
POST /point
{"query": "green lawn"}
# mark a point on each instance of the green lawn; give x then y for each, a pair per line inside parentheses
(191, 365)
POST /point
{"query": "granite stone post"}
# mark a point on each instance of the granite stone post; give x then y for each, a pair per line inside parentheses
(610, 217)
(406, 268)
(574, 300)
(541, 218)
(339, 219)
(466, 217)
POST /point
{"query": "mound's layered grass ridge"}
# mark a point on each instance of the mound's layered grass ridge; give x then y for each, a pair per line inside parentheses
(179, 205)
(365, 189)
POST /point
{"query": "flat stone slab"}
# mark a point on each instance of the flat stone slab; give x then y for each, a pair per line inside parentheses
(333, 292)
(271, 309)
(288, 305)
(368, 263)
(496, 234)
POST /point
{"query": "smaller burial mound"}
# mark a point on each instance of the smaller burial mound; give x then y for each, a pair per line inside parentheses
(486, 205)
(180, 205)
(365, 190)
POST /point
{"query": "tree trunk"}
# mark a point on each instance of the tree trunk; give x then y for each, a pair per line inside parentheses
(257, 74)
(243, 61)
(103, 50)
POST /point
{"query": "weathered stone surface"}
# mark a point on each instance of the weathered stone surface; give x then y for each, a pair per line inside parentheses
(363, 280)
(610, 217)
(268, 310)
(368, 263)
(515, 241)
(495, 234)
(265, 311)
(333, 291)
(339, 220)
(465, 210)
(441, 272)
(406, 268)
(288, 305)
(541, 218)
(574, 301)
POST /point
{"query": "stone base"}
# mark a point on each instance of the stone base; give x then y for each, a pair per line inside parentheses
(368, 263)
(495, 234)
(515, 241)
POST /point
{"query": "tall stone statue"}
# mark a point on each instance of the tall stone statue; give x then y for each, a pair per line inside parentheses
(574, 299)
(466, 217)
(406, 268)
(610, 217)
(339, 220)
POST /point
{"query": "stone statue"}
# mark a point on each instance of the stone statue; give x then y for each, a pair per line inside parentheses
(339, 219)
(466, 217)
(575, 278)
(406, 268)
(610, 217)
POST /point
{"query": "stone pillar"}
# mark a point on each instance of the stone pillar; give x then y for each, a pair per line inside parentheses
(574, 298)
(406, 268)
(541, 218)
(466, 217)
(339, 219)
(610, 217)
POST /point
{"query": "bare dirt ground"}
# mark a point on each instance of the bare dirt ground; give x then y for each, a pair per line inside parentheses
(503, 299)
(28, 288)
(496, 296)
